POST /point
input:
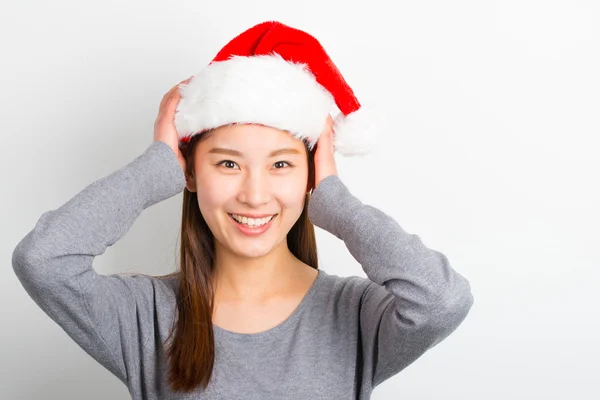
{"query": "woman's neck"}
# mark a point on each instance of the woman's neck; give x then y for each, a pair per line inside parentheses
(255, 279)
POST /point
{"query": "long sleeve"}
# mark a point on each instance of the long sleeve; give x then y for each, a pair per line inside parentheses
(110, 317)
(416, 299)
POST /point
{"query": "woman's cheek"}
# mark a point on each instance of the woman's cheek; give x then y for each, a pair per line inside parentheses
(290, 194)
(212, 202)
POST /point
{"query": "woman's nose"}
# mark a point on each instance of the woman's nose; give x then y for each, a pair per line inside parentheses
(256, 190)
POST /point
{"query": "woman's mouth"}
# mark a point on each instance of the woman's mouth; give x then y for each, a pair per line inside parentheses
(252, 227)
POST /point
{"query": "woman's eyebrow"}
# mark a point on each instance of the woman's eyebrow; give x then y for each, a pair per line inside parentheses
(221, 150)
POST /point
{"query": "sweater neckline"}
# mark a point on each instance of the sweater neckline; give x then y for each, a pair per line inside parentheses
(284, 325)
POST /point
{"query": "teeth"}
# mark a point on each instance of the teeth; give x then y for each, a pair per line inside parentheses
(251, 221)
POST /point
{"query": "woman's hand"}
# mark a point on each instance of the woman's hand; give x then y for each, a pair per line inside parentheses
(324, 160)
(164, 126)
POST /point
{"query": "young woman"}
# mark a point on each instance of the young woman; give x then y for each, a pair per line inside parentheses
(248, 315)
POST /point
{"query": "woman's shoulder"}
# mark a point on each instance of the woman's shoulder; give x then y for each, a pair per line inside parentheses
(164, 286)
(344, 280)
(343, 288)
(342, 298)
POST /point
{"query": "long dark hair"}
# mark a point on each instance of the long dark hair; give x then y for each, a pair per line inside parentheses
(191, 353)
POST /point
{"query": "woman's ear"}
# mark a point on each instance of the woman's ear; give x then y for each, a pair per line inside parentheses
(190, 183)
(309, 186)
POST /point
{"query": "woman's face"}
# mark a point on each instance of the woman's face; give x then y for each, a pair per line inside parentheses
(247, 170)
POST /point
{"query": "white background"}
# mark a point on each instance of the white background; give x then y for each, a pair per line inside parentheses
(489, 154)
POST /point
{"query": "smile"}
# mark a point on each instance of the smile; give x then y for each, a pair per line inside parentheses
(252, 222)
(252, 227)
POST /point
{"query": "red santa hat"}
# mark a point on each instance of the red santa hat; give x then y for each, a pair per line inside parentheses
(277, 76)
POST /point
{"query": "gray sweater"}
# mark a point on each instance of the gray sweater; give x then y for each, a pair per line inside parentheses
(348, 334)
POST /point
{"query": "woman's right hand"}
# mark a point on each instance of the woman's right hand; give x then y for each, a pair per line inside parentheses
(164, 126)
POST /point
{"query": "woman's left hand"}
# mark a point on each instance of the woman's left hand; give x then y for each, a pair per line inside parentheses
(324, 158)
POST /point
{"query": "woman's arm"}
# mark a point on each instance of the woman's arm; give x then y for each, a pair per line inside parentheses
(416, 299)
(108, 316)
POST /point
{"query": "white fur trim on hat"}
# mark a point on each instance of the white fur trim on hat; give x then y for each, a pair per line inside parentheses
(263, 89)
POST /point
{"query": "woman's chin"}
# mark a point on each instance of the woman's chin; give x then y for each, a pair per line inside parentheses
(255, 250)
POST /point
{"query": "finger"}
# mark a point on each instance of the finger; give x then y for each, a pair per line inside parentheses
(176, 95)
(327, 135)
(330, 130)
(173, 101)
(167, 97)
(163, 101)
(170, 93)
(173, 91)
(186, 80)
(171, 97)
(176, 89)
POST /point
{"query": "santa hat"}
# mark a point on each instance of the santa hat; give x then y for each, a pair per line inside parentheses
(277, 76)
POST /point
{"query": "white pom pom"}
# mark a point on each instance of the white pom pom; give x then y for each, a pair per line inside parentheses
(357, 133)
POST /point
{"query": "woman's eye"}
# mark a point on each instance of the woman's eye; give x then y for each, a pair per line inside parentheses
(285, 162)
(232, 162)
(226, 161)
